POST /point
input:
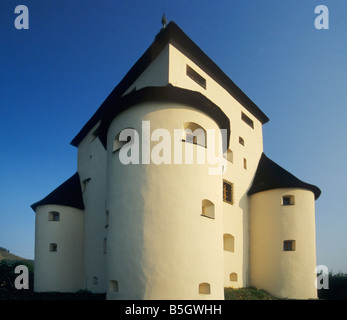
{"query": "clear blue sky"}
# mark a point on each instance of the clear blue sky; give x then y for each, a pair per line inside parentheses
(56, 74)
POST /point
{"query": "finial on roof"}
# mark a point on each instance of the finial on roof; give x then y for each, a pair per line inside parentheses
(163, 21)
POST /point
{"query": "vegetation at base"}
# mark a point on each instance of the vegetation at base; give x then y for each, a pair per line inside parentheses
(249, 293)
(337, 287)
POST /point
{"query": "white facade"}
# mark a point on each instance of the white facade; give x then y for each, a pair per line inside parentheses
(169, 231)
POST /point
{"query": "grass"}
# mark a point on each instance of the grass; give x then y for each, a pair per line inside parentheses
(249, 293)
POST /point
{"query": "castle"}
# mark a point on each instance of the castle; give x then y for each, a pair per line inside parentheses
(173, 231)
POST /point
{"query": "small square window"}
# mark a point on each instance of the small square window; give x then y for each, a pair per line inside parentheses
(241, 141)
(53, 247)
(53, 216)
(288, 200)
(289, 245)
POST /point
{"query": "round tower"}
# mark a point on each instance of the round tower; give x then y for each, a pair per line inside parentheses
(59, 238)
(282, 233)
(165, 232)
(58, 249)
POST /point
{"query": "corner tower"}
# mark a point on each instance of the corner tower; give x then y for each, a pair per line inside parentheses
(282, 232)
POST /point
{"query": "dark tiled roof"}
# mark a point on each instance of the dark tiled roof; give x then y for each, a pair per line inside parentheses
(165, 94)
(270, 175)
(67, 194)
(174, 35)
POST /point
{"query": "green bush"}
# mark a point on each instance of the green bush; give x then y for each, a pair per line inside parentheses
(337, 288)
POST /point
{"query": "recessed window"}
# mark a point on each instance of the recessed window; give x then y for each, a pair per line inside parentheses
(53, 216)
(194, 133)
(117, 143)
(113, 286)
(228, 242)
(241, 141)
(247, 120)
(84, 184)
(228, 192)
(244, 163)
(204, 288)
(95, 133)
(288, 200)
(207, 209)
(289, 245)
(95, 280)
(192, 74)
(230, 156)
(53, 247)
(233, 276)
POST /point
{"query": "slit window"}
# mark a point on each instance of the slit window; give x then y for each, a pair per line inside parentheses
(192, 74)
(247, 120)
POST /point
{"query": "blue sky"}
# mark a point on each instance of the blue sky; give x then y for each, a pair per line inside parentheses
(55, 75)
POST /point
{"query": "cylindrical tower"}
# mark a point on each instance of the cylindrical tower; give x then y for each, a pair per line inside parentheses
(58, 248)
(282, 233)
(282, 242)
(165, 234)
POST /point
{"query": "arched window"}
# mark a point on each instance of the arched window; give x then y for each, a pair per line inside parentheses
(228, 242)
(233, 276)
(117, 143)
(204, 288)
(194, 133)
(230, 156)
(113, 286)
(207, 208)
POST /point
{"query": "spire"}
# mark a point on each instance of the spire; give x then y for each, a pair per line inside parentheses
(163, 21)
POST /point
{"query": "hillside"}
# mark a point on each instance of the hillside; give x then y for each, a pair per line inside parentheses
(6, 255)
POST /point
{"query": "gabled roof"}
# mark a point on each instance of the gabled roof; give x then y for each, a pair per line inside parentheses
(174, 35)
(67, 194)
(270, 175)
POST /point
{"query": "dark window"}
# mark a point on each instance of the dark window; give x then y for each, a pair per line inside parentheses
(54, 216)
(191, 73)
(241, 141)
(228, 192)
(53, 247)
(247, 120)
(289, 245)
(288, 200)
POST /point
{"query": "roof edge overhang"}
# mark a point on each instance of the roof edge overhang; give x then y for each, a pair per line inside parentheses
(68, 194)
(168, 93)
(270, 175)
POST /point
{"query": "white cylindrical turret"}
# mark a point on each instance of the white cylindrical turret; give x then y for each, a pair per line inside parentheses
(165, 231)
(283, 242)
(58, 248)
